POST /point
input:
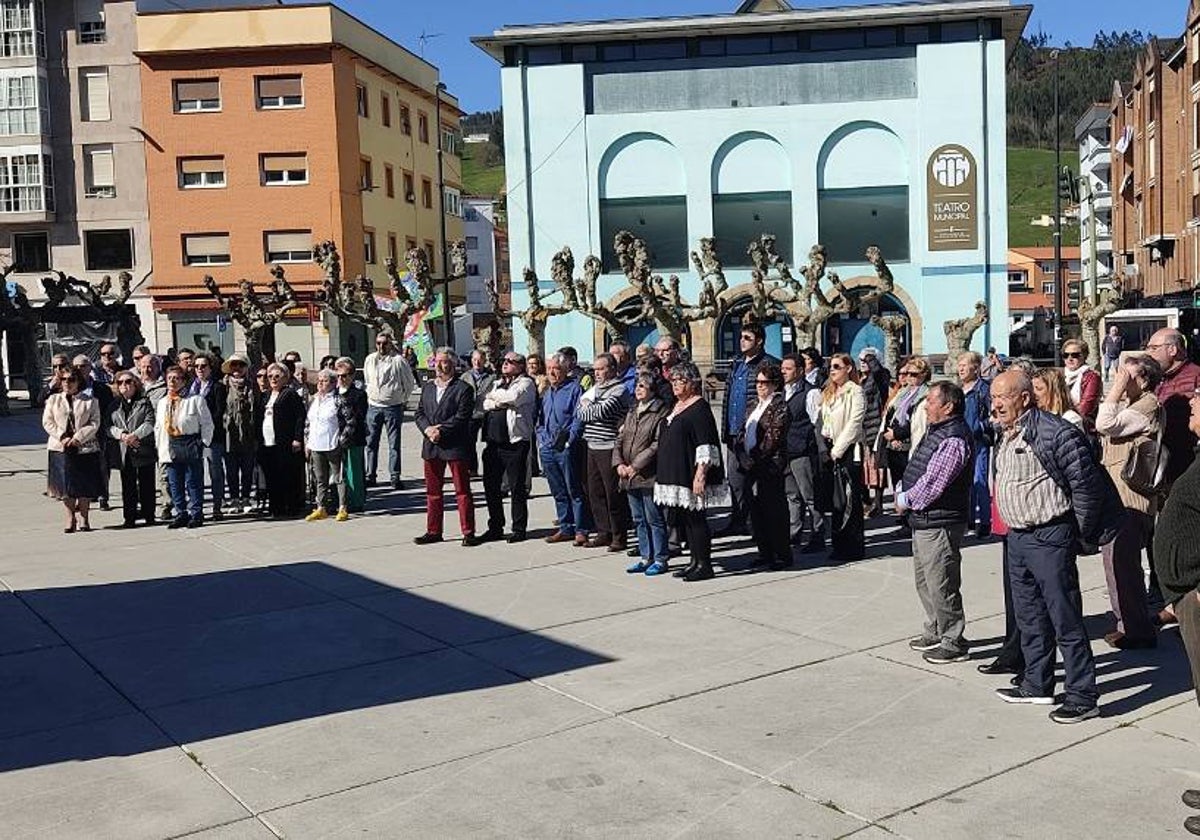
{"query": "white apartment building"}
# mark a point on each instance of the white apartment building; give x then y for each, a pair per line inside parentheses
(1095, 195)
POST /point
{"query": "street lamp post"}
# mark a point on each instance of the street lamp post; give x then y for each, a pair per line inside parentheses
(1058, 284)
(447, 315)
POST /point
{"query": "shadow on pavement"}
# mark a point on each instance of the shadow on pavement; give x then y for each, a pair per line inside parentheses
(225, 652)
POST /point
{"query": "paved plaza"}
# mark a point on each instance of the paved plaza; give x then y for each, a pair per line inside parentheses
(258, 679)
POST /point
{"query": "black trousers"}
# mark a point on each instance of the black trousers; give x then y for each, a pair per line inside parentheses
(738, 489)
(138, 488)
(610, 507)
(694, 524)
(506, 463)
(768, 506)
(1010, 651)
(284, 472)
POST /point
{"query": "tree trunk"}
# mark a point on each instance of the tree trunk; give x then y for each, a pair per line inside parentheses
(537, 338)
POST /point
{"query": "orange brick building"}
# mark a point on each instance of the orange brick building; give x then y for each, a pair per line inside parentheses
(269, 130)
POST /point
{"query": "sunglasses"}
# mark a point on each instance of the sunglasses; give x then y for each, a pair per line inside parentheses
(762, 382)
(201, 365)
(837, 366)
(102, 353)
(1072, 355)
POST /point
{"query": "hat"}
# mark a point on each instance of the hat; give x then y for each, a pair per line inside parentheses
(234, 357)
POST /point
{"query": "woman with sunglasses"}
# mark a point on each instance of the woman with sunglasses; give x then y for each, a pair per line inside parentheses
(72, 422)
(282, 451)
(762, 457)
(904, 418)
(131, 427)
(1083, 382)
(841, 430)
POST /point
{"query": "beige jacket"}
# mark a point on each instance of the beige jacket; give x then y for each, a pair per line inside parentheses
(842, 419)
(1121, 427)
(86, 412)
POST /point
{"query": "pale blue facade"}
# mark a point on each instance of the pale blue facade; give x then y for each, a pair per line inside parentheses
(691, 135)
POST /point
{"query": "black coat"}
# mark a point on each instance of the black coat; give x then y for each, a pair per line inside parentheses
(352, 408)
(452, 415)
(216, 399)
(288, 416)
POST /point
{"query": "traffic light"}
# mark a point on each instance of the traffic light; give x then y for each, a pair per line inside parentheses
(1068, 187)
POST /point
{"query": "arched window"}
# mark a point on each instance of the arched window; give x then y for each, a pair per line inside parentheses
(862, 194)
(643, 190)
(752, 195)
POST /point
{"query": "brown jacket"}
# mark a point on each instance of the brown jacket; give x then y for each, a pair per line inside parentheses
(86, 411)
(1116, 425)
(637, 443)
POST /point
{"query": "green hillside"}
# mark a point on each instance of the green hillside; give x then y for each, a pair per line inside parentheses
(478, 177)
(1031, 188)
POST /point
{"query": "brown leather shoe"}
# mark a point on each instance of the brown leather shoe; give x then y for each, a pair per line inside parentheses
(600, 542)
(1120, 641)
(618, 546)
(581, 541)
(559, 537)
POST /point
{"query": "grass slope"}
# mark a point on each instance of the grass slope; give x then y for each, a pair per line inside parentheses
(1031, 187)
(477, 178)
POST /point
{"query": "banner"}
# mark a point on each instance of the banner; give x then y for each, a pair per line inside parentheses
(416, 332)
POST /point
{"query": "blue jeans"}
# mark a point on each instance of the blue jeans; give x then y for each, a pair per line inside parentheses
(566, 488)
(377, 416)
(215, 455)
(185, 481)
(981, 498)
(650, 525)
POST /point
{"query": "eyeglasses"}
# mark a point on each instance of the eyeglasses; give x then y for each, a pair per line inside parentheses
(108, 353)
(762, 382)
(124, 382)
(837, 366)
(1072, 355)
(512, 361)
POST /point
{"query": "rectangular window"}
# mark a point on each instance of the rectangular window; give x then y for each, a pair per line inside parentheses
(838, 39)
(89, 22)
(22, 33)
(385, 109)
(451, 201)
(884, 36)
(739, 218)
(26, 184)
(472, 243)
(405, 121)
(450, 141)
(1016, 281)
(93, 95)
(284, 169)
(99, 174)
(279, 92)
(22, 105)
(660, 222)
(472, 269)
(1048, 288)
(647, 50)
(427, 193)
(369, 247)
(410, 192)
(851, 219)
(108, 250)
(31, 251)
(389, 181)
(206, 249)
(288, 246)
(201, 173)
(422, 127)
(409, 244)
(364, 104)
(366, 179)
(193, 95)
(429, 255)
(392, 255)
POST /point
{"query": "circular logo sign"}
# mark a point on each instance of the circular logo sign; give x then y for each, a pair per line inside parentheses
(951, 168)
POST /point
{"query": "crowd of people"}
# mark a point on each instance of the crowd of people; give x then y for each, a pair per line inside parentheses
(636, 463)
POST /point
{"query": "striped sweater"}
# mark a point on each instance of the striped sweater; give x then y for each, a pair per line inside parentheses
(599, 420)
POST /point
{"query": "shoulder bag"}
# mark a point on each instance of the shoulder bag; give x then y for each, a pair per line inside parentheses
(1146, 465)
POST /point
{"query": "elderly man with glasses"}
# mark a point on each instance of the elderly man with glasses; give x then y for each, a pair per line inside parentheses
(509, 412)
(110, 365)
(389, 382)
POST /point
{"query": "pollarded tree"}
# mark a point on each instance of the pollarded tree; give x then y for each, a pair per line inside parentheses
(1091, 314)
(255, 314)
(662, 301)
(958, 336)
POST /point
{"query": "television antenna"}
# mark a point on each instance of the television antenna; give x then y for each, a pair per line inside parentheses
(424, 38)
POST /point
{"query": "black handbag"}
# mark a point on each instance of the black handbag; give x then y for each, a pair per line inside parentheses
(186, 448)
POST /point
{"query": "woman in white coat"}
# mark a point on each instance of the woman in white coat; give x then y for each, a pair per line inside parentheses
(841, 428)
(182, 428)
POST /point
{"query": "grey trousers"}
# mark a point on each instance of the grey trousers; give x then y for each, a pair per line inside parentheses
(327, 465)
(937, 567)
(799, 482)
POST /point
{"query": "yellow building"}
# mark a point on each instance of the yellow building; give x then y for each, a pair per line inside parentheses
(288, 124)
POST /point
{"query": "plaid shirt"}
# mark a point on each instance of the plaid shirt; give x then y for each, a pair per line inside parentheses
(946, 463)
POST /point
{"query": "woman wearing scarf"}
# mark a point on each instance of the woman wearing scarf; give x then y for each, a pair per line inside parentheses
(72, 422)
(904, 419)
(762, 455)
(242, 432)
(131, 427)
(1083, 382)
(842, 432)
(182, 428)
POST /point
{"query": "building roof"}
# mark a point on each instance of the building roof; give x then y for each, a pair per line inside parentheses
(1094, 117)
(1046, 252)
(751, 19)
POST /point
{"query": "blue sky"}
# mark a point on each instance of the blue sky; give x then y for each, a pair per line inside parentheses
(475, 77)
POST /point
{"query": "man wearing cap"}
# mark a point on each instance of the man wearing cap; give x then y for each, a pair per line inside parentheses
(239, 425)
(389, 382)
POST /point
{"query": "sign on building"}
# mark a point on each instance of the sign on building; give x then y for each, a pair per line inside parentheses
(953, 195)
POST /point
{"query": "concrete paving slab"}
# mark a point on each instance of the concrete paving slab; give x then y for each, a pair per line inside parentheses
(52, 688)
(92, 612)
(1181, 720)
(118, 778)
(604, 780)
(526, 600)
(653, 655)
(21, 629)
(288, 742)
(183, 663)
(1086, 791)
(247, 829)
(818, 728)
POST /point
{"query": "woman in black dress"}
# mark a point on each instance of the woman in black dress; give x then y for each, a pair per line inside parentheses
(72, 422)
(762, 458)
(282, 451)
(690, 477)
